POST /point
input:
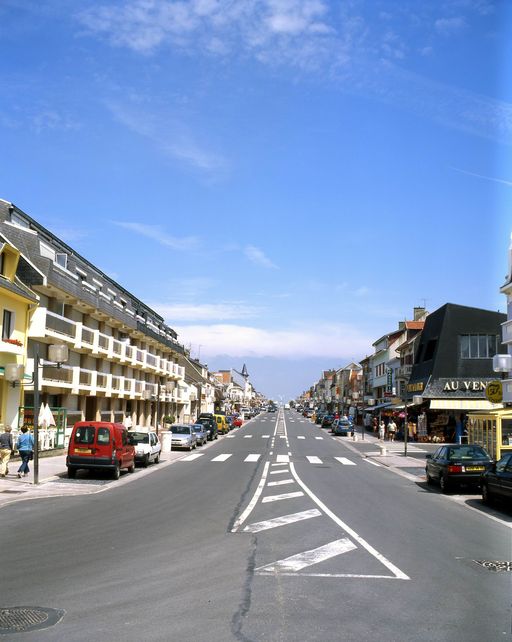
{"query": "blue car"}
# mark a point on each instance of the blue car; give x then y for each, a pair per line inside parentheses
(342, 427)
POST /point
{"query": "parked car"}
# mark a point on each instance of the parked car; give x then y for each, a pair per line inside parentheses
(327, 421)
(237, 422)
(318, 417)
(100, 445)
(201, 434)
(147, 446)
(497, 481)
(183, 436)
(210, 426)
(342, 427)
(461, 464)
(222, 424)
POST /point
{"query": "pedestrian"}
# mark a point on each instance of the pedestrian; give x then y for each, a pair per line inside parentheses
(6, 450)
(382, 430)
(391, 429)
(25, 446)
(375, 423)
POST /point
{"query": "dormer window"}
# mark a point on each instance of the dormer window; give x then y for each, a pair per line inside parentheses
(61, 259)
(18, 220)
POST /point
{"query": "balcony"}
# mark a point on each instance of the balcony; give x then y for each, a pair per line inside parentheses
(507, 332)
(59, 326)
(403, 372)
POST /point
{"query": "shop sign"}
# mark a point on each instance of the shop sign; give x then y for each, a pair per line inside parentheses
(389, 381)
(494, 392)
(415, 387)
(455, 385)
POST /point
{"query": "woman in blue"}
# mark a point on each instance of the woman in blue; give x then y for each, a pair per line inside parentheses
(25, 446)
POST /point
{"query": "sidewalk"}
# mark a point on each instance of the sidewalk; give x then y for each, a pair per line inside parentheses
(54, 482)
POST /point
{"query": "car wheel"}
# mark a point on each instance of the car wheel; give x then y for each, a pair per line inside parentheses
(71, 473)
(116, 473)
(444, 485)
(157, 459)
(430, 481)
(190, 448)
(487, 498)
(131, 469)
(145, 462)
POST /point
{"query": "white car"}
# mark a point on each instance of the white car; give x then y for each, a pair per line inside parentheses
(147, 446)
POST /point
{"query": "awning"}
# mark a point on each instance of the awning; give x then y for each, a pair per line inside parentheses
(463, 404)
(379, 407)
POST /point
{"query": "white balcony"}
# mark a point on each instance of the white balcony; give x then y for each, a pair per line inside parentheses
(507, 332)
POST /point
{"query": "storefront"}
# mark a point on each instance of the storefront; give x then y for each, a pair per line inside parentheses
(492, 430)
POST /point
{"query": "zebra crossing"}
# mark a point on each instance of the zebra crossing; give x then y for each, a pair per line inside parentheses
(280, 459)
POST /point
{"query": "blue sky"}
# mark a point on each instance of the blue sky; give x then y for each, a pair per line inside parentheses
(284, 180)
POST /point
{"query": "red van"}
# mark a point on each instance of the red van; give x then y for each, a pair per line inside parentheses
(100, 445)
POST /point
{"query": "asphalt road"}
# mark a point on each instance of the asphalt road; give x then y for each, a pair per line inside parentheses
(272, 534)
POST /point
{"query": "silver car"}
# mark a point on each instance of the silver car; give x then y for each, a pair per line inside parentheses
(183, 436)
(201, 433)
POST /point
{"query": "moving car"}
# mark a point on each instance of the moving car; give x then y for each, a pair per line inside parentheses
(147, 446)
(342, 427)
(454, 465)
(100, 445)
(497, 481)
(201, 434)
(183, 436)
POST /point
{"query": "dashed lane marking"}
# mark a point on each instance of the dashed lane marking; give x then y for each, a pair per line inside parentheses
(222, 457)
(279, 472)
(247, 436)
(282, 521)
(318, 437)
(265, 436)
(345, 461)
(313, 459)
(252, 457)
(300, 437)
(278, 498)
(281, 482)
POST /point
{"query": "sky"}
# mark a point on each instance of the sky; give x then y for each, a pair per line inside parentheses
(282, 180)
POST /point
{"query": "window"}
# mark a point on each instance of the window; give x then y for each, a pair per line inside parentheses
(430, 349)
(19, 220)
(478, 346)
(85, 435)
(7, 324)
(103, 436)
(2, 264)
(61, 259)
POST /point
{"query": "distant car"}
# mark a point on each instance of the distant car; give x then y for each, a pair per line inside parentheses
(456, 465)
(147, 447)
(497, 481)
(342, 427)
(272, 409)
(309, 412)
(318, 417)
(327, 421)
(201, 433)
(183, 436)
(237, 422)
(210, 426)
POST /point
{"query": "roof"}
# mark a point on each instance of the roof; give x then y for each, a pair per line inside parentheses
(414, 325)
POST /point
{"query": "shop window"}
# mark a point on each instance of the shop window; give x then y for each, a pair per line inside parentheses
(506, 432)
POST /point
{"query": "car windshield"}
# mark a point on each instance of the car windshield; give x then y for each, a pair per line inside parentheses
(139, 437)
(467, 452)
(198, 427)
(180, 430)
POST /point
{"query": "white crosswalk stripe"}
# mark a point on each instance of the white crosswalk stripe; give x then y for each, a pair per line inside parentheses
(230, 436)
(223, 457)
(252, 457)
(281, 482)
(318, 437)
(313, 459)
(247, 436)
(279, 472)
(345, 461)
(308, 558)
(283, 459)
(265, 436)
(192, 457)
(281, 521)
(278, 498)
(300, 437)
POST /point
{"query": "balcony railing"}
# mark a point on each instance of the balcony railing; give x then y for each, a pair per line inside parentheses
(62, 375)
(59, 324)
(85, 377)
(87, 336)
(103, 341)
(101, 380)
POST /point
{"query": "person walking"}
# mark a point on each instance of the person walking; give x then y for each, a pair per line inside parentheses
(6, 450)
(25, 446)
(382, 430)
(391, 429)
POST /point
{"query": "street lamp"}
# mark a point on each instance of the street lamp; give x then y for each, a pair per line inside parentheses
(58, 354)
(502, 363)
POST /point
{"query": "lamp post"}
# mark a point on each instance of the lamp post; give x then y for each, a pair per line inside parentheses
(502, 363)
(58, 354)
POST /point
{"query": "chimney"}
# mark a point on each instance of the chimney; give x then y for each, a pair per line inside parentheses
(419, 313)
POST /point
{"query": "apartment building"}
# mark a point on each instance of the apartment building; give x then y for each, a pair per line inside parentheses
(123, 358)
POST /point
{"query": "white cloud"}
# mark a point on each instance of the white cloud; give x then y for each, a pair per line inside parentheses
(448, 26)
(320, 340)
(205, 311)
(156, 233)
(258, 257)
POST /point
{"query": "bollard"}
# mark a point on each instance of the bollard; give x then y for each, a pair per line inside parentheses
(383, 450)
(354, 436)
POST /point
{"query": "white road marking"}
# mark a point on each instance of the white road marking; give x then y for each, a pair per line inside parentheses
(281, 482)
(247, 436)
(252, 503)
(308, 558)
(192, 457)
(283, 459)
(252, 457)
(397, 573)
(282, 521)
(278, 498)
(230, 436)
(278, 472)
(300, 437)
(282, 436)
(313, 459)
(345, 461)
(374, 463)
(281, 464)
(265, 436)
(318, 437)
(222, 457)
